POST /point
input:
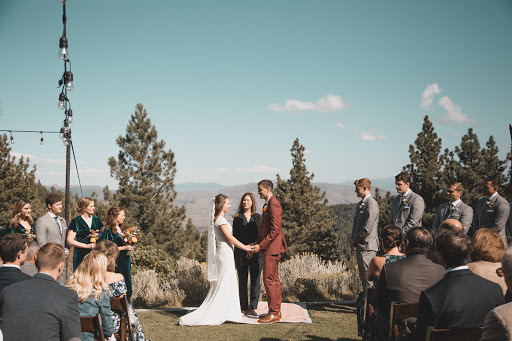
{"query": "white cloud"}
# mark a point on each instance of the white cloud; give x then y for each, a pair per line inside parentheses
(453, 114)
(328, 103)
(427, 97)
(257, 169)
(39, 161)
(340, 125)
(369, 136)
(307, 152)
(221, 169)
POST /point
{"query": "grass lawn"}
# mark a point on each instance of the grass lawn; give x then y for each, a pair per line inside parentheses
(330, 322)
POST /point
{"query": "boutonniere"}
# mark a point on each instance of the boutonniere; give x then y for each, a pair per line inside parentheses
(362, 205)
(405, 200)
(264, 209)
(489, 204)
(455, 208)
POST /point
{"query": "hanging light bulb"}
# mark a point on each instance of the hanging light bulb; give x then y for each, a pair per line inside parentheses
(41, 142)
(61, 135)
(68, 80)
(63, 51)
(66, 141)
(62, 101)
(69, 116)
(12, 139)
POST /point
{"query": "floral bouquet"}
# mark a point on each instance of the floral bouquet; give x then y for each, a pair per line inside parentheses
(93, 236)
(30, 235)
(130, 236)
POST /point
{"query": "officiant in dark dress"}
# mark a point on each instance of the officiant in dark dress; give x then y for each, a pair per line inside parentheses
(246, 228)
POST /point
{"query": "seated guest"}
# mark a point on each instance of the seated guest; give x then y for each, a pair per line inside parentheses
(403, 281)
(29, 267)
(460, 299)
(89, 283)
(486, 253)
(13, 251)
(446, 225)
(117, 286)
(40, 308)
(498, 322)
(391, 240)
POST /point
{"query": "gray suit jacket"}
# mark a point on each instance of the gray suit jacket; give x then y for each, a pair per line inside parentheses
(364, 230)
(407, 214)
(47, 231)
(462, 213)
(508, 229)
(498, 324)
(493, 216)
(49, 310)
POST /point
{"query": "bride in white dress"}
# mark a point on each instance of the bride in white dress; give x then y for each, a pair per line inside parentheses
(222, 302)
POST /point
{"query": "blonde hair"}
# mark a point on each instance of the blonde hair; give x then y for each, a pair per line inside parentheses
(82, 204)
(364, 182)
(89, 278)
(110, 250)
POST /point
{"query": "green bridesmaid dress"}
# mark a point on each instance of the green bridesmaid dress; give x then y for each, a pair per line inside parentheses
(123, 263)
(82, 235)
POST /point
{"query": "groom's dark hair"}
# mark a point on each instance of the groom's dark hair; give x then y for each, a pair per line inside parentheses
(267, 184)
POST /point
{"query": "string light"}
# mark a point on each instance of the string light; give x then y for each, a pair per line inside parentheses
(12, 138)
(41, 142)
(66, 80)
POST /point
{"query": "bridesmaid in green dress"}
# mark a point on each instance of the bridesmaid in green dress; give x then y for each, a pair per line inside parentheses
(21, 221)
(114, 230)
(81, 228)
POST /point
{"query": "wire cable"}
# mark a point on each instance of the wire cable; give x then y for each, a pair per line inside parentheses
(76, 166)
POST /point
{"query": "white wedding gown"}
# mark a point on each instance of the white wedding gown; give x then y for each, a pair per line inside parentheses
(222, 302)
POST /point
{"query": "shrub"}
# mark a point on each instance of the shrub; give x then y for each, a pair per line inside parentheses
(192, 279)
(147, 257)
(150, 292)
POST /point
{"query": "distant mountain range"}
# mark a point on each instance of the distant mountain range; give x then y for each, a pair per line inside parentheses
(197, 197)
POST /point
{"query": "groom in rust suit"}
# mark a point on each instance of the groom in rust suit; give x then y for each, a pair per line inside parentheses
(271, 243)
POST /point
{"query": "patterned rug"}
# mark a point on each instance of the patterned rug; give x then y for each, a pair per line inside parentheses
(290, 312)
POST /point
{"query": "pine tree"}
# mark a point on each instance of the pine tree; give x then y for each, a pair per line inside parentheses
(426, 169)
(469, 167)
(384, 208)
(145, 171)
(307, 224)
(18, 181)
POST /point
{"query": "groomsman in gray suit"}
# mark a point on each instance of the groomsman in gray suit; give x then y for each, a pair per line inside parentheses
(407, 208)
(492, 210)
(509, 222)
(53, 228)
(364, 238)
(454, 209)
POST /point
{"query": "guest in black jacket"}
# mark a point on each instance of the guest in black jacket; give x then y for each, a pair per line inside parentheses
(461, 299)
(13, 251)
(246, 228)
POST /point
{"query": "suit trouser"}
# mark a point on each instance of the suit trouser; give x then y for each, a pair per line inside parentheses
(272, 283)
(243, 272)
(363, 260)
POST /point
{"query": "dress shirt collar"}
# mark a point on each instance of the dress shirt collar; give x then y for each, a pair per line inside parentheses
(366, 198)
(10, 266)
(463, 267)
(266, 202)
(456, 202)
(406, 193)
(52, 215)
(492, 196)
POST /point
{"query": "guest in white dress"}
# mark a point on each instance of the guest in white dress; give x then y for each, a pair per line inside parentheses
(222, 302)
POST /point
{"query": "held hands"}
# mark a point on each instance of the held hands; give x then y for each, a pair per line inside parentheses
(252, 249)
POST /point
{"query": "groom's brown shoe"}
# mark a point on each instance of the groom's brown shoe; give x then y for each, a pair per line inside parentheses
(270, 318)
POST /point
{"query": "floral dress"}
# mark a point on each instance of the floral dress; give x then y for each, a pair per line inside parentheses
(117, 289)
(82, 235)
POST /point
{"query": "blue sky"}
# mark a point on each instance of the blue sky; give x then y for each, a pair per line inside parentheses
(230, 84)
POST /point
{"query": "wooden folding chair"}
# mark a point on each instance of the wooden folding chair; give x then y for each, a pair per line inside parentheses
(368, 310)
(469, 334)
(119, 305)
(400, 312)
(92, 324)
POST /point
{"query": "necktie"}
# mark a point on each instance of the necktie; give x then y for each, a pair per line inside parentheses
(58, 223)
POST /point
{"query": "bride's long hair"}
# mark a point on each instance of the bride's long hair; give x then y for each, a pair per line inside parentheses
(220, 200)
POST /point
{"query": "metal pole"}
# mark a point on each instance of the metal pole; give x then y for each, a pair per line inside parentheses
(68, 162)
(510, 179)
